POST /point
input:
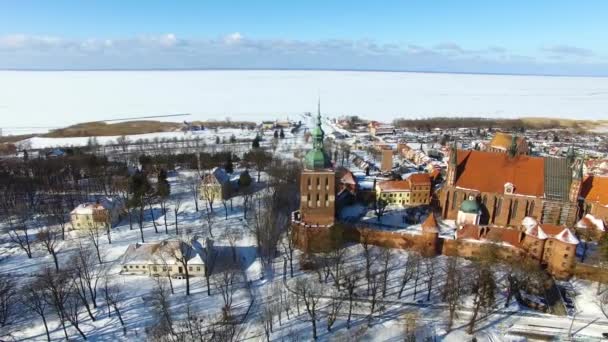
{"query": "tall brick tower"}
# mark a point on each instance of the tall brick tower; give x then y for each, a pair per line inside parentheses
(452, 166)
(317, 183)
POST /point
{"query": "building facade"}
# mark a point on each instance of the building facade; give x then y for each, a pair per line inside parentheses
(161, 259)
(103, 214)
(551, 245)
(415, 190)
(509, 187)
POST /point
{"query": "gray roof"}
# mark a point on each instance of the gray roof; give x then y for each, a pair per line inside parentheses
(558, 178)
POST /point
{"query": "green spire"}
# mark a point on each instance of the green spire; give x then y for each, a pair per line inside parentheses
(317, 158)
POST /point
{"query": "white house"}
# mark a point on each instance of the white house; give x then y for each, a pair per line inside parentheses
(103, 213)
(168, 257)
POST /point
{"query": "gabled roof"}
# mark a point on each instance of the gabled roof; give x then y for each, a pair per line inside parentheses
(595, 189)
(590, 222)
(489, 171)
(504, 140)
(567, 236)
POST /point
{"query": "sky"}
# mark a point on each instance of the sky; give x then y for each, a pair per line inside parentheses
(470, 36)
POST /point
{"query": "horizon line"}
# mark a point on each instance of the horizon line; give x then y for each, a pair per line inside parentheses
(305, 69)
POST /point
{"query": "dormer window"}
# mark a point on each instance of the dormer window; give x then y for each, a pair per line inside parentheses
(509, 188)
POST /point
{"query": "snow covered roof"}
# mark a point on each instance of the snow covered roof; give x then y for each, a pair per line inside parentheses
(102, 203)
(567, 236)
(160, 253)
(591, 222)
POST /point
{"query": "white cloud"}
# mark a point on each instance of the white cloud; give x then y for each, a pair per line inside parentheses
(234, 50)
(233, 38)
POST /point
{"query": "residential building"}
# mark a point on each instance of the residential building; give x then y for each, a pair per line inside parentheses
(215, 184)
(506, 143)
(163, 258)
(415, 190)
(104, 213)
(376, 128)
(387, 160)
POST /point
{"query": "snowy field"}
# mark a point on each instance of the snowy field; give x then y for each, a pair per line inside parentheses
(55, 99)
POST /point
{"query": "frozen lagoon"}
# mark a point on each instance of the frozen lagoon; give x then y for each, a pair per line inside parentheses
(59, 98)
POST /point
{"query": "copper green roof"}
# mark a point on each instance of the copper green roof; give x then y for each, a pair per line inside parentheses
(469, 207)
(317, 158)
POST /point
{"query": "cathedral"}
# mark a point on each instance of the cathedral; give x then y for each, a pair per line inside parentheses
(510, 186)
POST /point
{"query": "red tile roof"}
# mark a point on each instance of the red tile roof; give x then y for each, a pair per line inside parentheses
(420, 179)
(430, 224)
(489, 171)
(396, 185)
(595, 189)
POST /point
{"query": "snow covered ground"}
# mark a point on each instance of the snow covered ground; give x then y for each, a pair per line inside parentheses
(62, 98)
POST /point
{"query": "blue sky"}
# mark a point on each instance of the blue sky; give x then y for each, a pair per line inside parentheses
(538, 37)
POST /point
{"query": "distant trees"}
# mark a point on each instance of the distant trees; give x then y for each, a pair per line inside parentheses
(309, 292)
(259, 159)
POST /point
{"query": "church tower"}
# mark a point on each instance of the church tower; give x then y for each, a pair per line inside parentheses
(317, 183)
(452, 166)
(577, 181)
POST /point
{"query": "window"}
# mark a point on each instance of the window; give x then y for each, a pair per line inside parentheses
(125, 267)
(143, 266)
(198, 268)
(565, 256)
(136, 266)
(453, 200)
(514, 209)
(327, 183)
(531, 208)
(567, 248)
(189, 268)
(131, 266)
(154, 268)
(498, 206)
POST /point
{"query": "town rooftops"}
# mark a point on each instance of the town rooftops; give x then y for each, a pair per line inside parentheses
(394, 185)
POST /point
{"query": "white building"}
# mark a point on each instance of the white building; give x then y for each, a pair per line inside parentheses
(168, 257)
(104, 213)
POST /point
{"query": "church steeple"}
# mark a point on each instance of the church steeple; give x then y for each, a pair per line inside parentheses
(317, 158)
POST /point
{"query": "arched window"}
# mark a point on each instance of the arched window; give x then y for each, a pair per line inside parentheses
(454, 199)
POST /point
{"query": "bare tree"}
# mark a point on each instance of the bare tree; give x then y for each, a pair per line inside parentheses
(86, 274)
(182, 252)
(288, 247)
(309, 292)
(19, 234)
(409, 270)
(374, 285)
(208, 190)
(114, 296)
(368, 253)
(56, 288)
(210, 258)
(429, 268)
(72, 312)
(452, 288)
(8, 298)
(351, 279)
(177, 203)
(232, 235)
(385, 256)
(193, 186)
(226, 282)
(32, 297)
(47, 238)
(161, 306)
(209, 220)
(335, 304)
(484, 286)
(93, 233)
